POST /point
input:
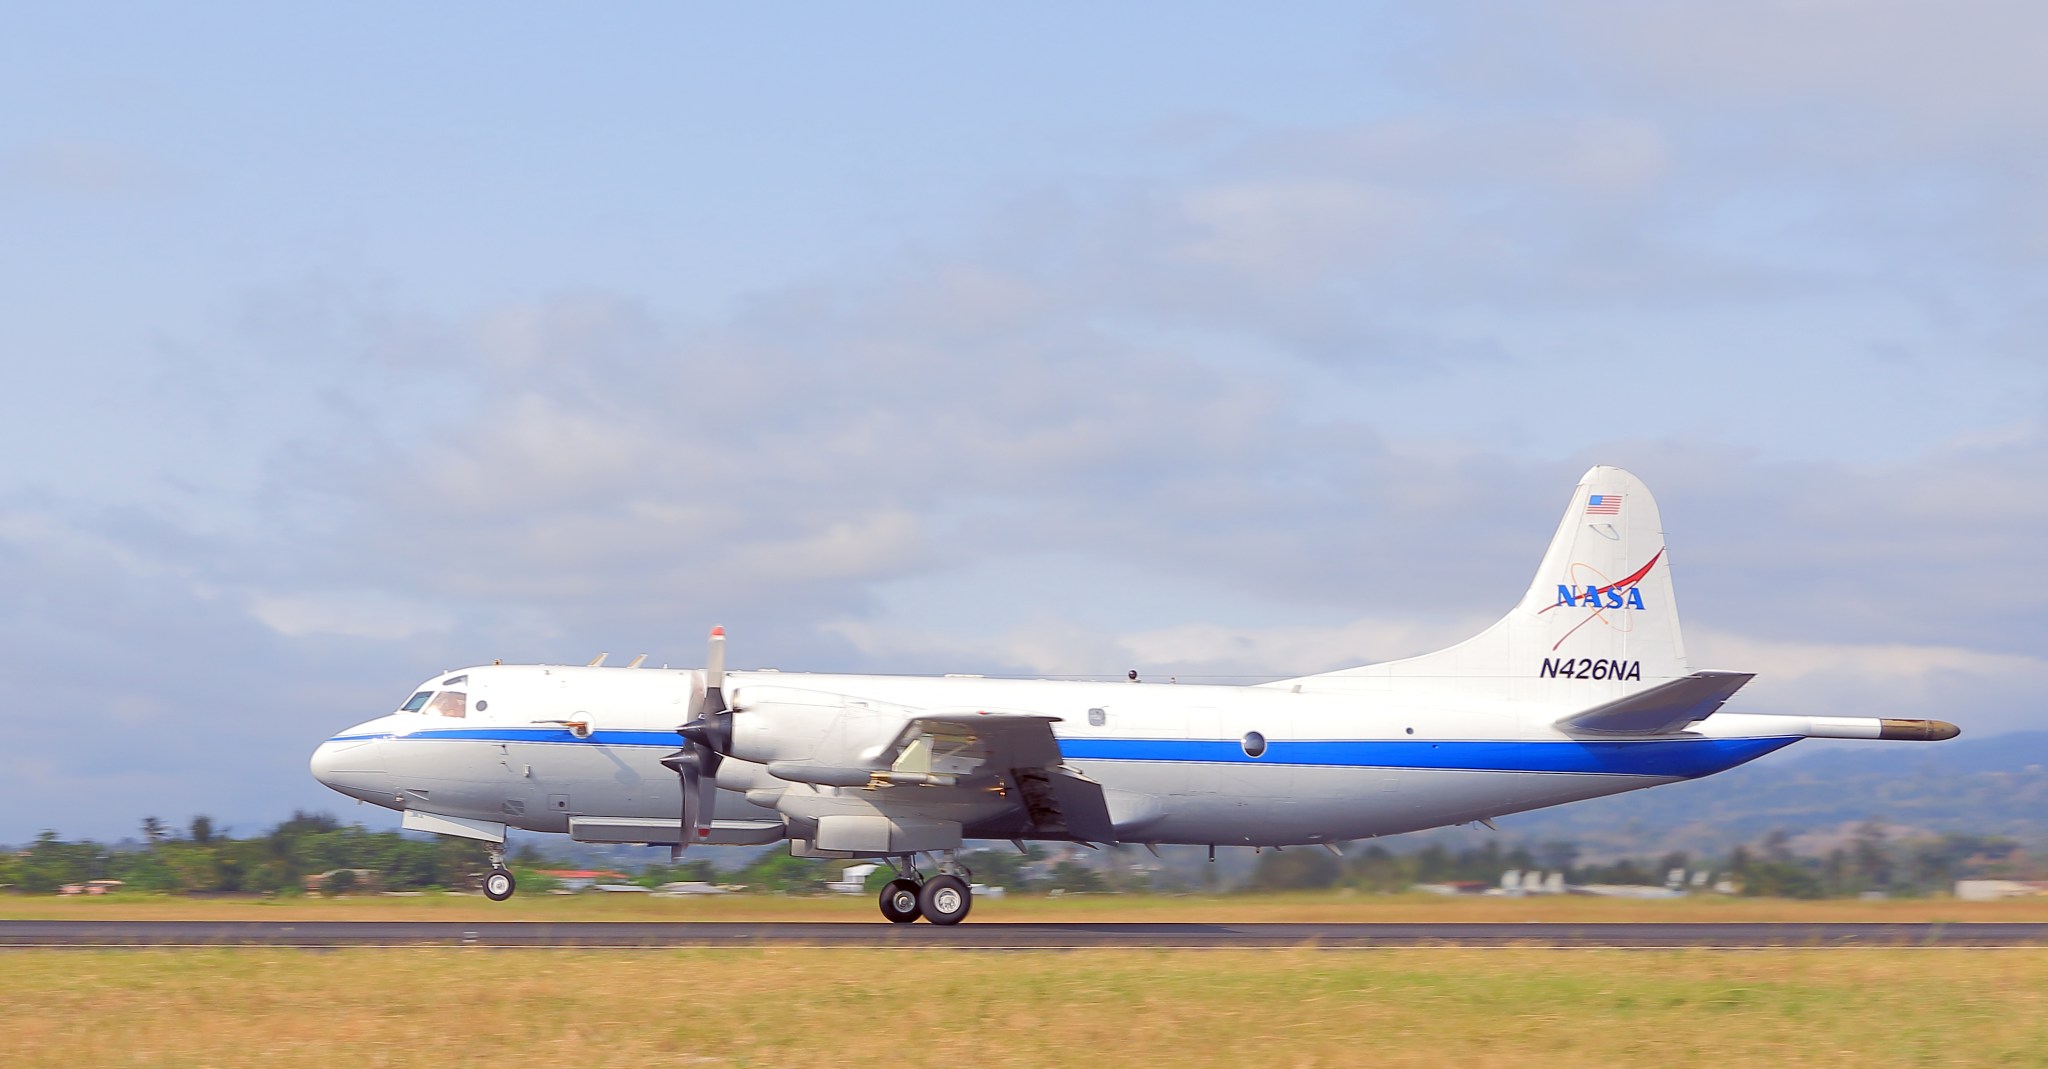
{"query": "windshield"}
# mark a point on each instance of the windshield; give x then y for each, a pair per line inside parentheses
(413, 704)
(449, 703)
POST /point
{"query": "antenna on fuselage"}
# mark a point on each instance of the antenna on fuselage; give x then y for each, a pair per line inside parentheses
(597, 661)
(638, 661)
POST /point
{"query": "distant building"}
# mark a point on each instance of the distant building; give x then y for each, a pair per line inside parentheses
(363, 880)
(91, 887)
(688, 887)
(853, 879)
(581, 879)
(1989, 890)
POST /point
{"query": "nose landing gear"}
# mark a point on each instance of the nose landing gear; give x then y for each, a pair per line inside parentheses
(498, 883)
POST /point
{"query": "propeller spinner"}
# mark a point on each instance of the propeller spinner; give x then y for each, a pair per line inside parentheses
(705, 739)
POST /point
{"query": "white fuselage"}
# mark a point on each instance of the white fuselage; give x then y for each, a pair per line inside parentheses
(537, 746)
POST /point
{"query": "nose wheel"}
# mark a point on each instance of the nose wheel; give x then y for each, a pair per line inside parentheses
(499, 884)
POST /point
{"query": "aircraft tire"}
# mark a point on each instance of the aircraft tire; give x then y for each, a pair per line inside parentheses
(499, 884)
(899, 901)
(945, 900)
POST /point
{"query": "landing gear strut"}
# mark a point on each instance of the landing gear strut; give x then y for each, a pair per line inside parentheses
(498, 883)
(942, 899)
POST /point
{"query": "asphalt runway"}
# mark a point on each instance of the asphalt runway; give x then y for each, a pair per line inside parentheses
(972, 936)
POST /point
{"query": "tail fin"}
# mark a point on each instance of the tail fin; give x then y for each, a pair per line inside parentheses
(1597, 623)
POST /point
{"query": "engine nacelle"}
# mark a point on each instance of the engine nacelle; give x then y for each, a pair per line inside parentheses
(785, 724)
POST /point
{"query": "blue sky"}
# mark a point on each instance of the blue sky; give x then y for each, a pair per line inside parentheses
(348, 345)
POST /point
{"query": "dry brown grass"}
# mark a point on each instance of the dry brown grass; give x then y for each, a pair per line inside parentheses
(1321, 907)
(1526, 1008)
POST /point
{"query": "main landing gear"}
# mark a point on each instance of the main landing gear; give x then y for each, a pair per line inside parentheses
(498, 883)
(943, 899)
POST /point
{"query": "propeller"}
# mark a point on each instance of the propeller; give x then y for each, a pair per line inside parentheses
(705, 740)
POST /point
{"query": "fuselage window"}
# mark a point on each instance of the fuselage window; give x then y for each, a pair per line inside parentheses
(450, 703)
(412, 704)
(1254, 744)
(452, 680)
(1096, 718)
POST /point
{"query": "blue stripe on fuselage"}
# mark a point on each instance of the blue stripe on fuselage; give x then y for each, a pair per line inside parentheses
(1684, 758)
(1678, 758)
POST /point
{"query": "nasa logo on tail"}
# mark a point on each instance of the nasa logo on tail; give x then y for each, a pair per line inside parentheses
(1620, 594)
(1597, 597)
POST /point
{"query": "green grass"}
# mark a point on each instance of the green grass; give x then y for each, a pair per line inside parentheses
(1527, 1008)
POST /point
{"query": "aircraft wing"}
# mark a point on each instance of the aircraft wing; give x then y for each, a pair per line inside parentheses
(1018, 749)
(961, 743)
(1012, 754)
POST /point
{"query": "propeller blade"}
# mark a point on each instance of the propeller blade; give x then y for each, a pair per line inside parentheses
(705, 739)
(689, 766)
(714, 666)
(707, 794)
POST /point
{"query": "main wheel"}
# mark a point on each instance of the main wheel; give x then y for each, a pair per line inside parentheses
(899, 901)
(945, 900)
(499, 885)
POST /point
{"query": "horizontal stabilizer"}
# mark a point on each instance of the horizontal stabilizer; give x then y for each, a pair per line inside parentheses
(1661, 709)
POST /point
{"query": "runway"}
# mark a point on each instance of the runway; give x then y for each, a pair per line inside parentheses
(972, 936)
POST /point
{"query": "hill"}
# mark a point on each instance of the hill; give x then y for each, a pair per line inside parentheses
(1991, 786)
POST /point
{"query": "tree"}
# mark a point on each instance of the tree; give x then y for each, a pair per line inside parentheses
(1378, 869)
(1072, 877)
(1870, 858)
(154, 831)
(1295, 870)
(786, 874)
(202, 829)
(1000, 868)
(1781, 879)
(694, 870)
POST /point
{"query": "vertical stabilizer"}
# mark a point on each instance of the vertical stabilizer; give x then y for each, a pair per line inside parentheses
(1598, 622)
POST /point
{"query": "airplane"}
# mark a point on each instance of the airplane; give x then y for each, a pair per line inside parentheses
(1582, 690)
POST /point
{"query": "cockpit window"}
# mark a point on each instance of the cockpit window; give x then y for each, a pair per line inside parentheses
(449, 703)
(413, 704)
(452, 680)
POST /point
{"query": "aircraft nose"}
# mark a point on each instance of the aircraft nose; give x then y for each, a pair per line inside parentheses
(351, 767)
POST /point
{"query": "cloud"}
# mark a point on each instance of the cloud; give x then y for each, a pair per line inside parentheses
(348, 614)
(82, 167)
(1303, 392)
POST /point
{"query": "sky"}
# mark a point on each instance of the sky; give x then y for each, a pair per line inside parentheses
(343, 345)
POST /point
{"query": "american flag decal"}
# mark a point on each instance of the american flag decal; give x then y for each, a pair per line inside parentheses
(1603, 505)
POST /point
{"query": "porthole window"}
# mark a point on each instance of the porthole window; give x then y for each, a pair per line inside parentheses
(1096, 718)
(1254, 744)
(481, 705)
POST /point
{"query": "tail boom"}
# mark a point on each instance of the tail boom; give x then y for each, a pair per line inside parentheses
(1732, 725)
